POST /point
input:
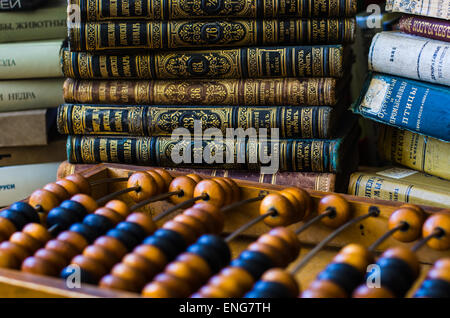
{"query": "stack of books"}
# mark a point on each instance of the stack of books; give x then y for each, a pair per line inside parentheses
(170, 83)
(408, 92)
(31, 35)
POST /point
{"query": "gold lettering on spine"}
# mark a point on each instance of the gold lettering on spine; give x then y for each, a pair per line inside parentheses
(317, 156)
(113, 149)
(96, 120)
(103, 150)
(113, 7)
(127, 150)
(103, 63)
(111, 35)
(123, 34)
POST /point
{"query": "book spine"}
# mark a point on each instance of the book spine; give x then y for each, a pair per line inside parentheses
(178, 34)
(426, 27)
(299, 122)
(410, 56)
(376, 187)
(415, 151)
(430, 8)
(43, 24)
(53, 152)
(226, 92)
(30, 94)
(306, 180)
(107, 10)
(18, 5)
(30, 60)
(26, 128)
(416, 106)
(309, 155)
(255, 62)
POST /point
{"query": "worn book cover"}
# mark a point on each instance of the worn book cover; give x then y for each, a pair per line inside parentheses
(431, 8)
(54, 151)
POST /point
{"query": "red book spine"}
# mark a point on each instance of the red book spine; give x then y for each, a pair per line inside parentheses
(427, 27)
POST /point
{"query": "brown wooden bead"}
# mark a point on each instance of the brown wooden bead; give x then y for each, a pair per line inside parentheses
(412, 218)
(157, 290)
(208, 220)
(195, 177)
(186, 184)
(43, 200)
(165, 175)
(7, 228)
(82, 183)
(57, 190)
(152, 254)
(215, 212)
(184, 230)
(70, 186)
(144, 221)
(235, 280)
(17, 250)
(111, 215)
(147, 186)
(112, 282)
(85, 200)
(440, 270)
(75, 239)
(96, 269)
(211, 292)
(288, 236)
(52, 257)
(341, 206)
(118, 206)
(442, 221)
(127, 272)
(215, 193)
(194, 223)
(197, 263)
(62, 248)
(355, 255)
(180, 288)
(160, 182)
(404, 254)
(26, 241)
(8, 259)
(227, 189)
(281, 205)
(297, 208)
(271, 252)
(39, 266)
(280, 245)
(278, 275)
(324, 289)
(141, 264)
(186, 273)
(235, 187)
(304, 199)
(101, 255)
(364, 291)
(112, 245)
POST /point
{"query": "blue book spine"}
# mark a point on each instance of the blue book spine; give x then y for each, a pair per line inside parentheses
(407, 104)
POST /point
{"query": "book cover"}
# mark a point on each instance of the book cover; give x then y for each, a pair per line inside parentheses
(431, 8)
(432, 28)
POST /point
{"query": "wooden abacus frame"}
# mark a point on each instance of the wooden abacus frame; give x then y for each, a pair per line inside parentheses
(14, 283)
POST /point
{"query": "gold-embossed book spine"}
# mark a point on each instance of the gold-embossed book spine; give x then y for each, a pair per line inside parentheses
(223, 92)
(251, 62)
(108, 10)
(101, 36)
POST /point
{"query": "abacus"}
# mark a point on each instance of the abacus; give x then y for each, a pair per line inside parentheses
(135, 231)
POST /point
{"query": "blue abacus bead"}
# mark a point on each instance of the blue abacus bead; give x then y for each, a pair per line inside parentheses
(273, 290)
(30, 213)
(77, 208)
(343, 274)
(396, 275)
(219, 244)
(61, 217)
(209, 254)
(255, 263)
(85, 230)
(126, 238)
(99, 223)
(134, 229)
(18, 219)
(169, 242)
(434, 288)
(70, 271)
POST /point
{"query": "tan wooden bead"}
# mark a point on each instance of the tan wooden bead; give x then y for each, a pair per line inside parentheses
(17, 250)
(8, 259)
(141, 264)
(303, 198)
(110, 214)
(412, 218)
(442, 221)
(288, 236)
(112, 282)
(227, 189)
(212, 292)
(175, 285)
(214, 211)
(26, 241)
(43, 200)
(441, 270)
(118, 206)
(271, 252)
(85, 200)
(197, 263)
(62, 248)
(198, 226)
(236, 281)
(207, 219)
(37, 265)
(182, 271)
(278, 275)
(356, 255)
(81, 182)
(365, 292)
(112, 245)
(167, 177)
(147, 186)
(186, 184)
(76, 240)
(96, 269)
(57, 190)
(281, 246)
(101, 255)
(157, 290)
(215, 193)
(70, 186)
(324, 289)
(405, 254)
(183, 229)
(7, 228)
(144, 221)
(52, 257)
(152, 254)
(127, 272)
(160, 182)
(195, 177)
(281, 205)
(235, 187)
(341, 206)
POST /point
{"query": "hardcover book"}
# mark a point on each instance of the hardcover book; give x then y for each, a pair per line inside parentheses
(52, 152)
(431, 8)
(432, 28)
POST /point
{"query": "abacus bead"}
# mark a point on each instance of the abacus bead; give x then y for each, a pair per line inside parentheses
(100, 255)
(44, 200)
(97, 270)
(144, 221)
(27, 210)
(180, 288)
(364, 291)
(119, 207)
(234, 187)
(197, 263)
(414, 207)
(280, 245)
(215, 193)
(303, 198)
(52, 257)
(75, 207)
(341, 207)
(277, 275)
(112, 282)
(7, 228)
(198, 226)
(86, 231)
(61, 217)
(15, 217)
(112, 245)
(254, 262)
(282, 206)
(324, 289)
(126, 238)
(75, 239)
(8, 260)
(217, 243)
(186, 184)
(157, 290)
(70, 186)
(235, 280)
(153, 254)
(297, 208)
(62, 248)
(203, 217)
(160, 182)
(227, 189)
(85, 277)
(409, 216)
(17, 250)
(442, 221)
(141, 264)
(354, 255)
(57, 190)
(439, 273)
(111, 215)
(134, 229)
(26, 241)
(81, 182)
(38, 232)
(147, 184)
(37, 265)
(85, 200)
(288, 236)
(270, 252)
(195, 177)
(167, 177)
(99, 223)
(404, 254)
(219, 217)
(210, 292)
(184, 230)
(126, 272)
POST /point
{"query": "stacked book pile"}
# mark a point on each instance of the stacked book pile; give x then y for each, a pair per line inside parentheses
(31, 34)
(161, 82)
(408, 92)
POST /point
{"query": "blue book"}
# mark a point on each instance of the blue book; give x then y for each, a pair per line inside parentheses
(420, 107)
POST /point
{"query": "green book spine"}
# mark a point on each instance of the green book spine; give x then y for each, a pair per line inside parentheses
(107, 10)
(254, 62)
(298, 122)
(102, 36)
